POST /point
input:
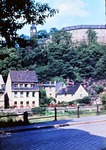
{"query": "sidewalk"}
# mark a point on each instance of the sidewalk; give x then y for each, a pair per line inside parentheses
(55, 124)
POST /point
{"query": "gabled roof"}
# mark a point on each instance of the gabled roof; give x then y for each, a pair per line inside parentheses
(23, 76)
(70, 89)
(59, 85)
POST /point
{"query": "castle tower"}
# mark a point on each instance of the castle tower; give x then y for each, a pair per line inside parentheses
(33, 31)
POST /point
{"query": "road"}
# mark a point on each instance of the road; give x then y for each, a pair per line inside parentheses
(91, 136)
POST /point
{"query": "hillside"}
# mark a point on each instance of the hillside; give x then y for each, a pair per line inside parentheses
(58, 60)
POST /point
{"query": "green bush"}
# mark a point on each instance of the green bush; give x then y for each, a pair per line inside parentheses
(71, 112)
(48, 113)
(63, 104)
(71, 102)
(84, 101)
(39, 110)
(98, 89)
(103, 99)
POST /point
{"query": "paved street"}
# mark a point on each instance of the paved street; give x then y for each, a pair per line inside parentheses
(87, 136)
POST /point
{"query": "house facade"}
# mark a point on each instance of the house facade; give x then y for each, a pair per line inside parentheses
(22, 89)
(50, 89)
(2, 90)
(71, 92)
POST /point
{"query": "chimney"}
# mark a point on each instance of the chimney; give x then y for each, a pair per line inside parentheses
(55, 83)
(68, 81)
(72, 83)
(84, 83)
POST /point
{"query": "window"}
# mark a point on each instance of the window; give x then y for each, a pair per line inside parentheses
(27, 102)
(15, 85)
(21, 85)
(31, 85)
(15, 94)
(21, 94)
(33, 102)
(21, 102)
(33, 94)
(27, 94)
(15, 103)
(26, 85)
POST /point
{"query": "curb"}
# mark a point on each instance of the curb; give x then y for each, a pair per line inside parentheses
(49, 126)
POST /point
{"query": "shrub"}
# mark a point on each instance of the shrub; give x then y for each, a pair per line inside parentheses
(98, 89)
(103, 98)
(85, 100)
(39, 110)
(63, 104)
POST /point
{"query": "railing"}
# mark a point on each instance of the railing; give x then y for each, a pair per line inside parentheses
(56, 113)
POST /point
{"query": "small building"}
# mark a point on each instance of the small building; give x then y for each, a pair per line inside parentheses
(49, 89)
(71, 92)
(2, 90)
(22, 89)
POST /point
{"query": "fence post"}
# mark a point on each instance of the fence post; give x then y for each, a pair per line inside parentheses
(78, 112)
(97, 112)
(55, 111)
(25, 117)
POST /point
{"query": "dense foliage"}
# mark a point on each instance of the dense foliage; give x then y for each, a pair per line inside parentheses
(14, 14)
(58, 59)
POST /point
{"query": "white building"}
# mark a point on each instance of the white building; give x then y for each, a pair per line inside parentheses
(22, 89)
(50, 89)
(71, 92)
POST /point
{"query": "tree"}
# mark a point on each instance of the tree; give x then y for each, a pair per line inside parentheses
(53, 30)
(42, 34)
(6, 101)
(15, 14)
(61, 37)
(43, 97)
(87, 59)
(100, 71)
(92, 38)
(98, 89)
(22, 41)
(103, 98)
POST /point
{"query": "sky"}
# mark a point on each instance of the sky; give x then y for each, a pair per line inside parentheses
(72, 12)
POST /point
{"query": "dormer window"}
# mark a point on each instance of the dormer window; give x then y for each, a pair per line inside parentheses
(31, 85)
(15, 85)
(21, 85)
(26, 85)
